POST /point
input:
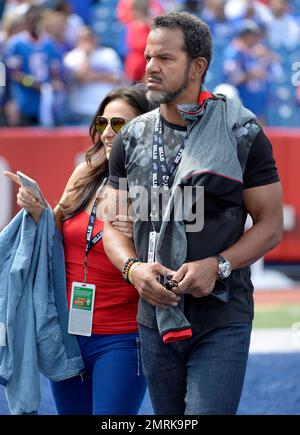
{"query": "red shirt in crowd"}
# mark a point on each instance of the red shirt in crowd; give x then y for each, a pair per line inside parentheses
(136, 38)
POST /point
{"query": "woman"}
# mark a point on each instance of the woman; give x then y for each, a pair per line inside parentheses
(114, 383)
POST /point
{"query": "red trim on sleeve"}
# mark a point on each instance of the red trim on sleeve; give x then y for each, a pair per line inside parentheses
(170, 337)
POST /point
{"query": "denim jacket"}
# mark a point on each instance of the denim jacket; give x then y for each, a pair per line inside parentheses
(33, 311)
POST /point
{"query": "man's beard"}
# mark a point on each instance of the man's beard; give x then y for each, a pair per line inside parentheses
(161, 97)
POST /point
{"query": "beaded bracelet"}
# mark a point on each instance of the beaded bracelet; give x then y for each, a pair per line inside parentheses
(127, 266)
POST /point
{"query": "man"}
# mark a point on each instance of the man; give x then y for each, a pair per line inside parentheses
(283, 30)
(250, 66)
(93, 71)
(226, 152)
(34, 63)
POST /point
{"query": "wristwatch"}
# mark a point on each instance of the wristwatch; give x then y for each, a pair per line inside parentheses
(224, 267)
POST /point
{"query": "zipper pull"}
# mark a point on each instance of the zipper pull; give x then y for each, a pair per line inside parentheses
(137, 341)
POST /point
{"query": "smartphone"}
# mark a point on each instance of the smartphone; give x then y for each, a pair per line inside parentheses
(32, 184)
(166, 281)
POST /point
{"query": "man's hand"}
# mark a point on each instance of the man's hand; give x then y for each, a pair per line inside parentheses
(197, 278)
(124, 224)
(144, 278)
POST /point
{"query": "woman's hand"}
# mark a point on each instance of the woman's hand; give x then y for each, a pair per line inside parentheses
(26, 198)
(124, 224)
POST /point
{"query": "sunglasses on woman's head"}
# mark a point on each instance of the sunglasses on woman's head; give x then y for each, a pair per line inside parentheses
(116, 124)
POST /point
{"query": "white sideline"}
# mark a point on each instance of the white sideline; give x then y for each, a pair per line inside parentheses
(276, 340)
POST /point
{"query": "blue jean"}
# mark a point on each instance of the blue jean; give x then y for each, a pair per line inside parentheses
(199, 376)
(114, 383)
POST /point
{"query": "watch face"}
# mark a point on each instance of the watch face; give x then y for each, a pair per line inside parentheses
(225, 269)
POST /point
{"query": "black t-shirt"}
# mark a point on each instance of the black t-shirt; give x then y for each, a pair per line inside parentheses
(259, 169)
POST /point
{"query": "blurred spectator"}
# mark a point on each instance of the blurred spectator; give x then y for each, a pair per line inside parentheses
(124, 10)
(136, 37)
(94, 71)
(32, 60)
(283, 30)
(192, 6)
(125, 16)
(207, 10)
(222, 28)
(73, 22)
(247, 65)
(248, 9)
(12, 24)
(55, 25)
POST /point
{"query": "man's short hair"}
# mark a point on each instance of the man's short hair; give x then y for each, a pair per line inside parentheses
(196, 33)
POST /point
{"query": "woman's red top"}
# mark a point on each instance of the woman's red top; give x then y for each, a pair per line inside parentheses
(116, 302)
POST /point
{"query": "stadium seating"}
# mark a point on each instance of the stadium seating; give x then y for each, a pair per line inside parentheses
(104, 22)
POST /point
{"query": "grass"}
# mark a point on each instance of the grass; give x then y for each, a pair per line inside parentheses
(276, 315)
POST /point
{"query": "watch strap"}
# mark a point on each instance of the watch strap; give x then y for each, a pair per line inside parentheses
(220, 258)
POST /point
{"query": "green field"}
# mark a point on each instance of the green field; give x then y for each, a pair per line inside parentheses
(276, 315)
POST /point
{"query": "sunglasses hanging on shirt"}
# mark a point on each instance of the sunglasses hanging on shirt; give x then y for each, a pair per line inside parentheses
(116, 124)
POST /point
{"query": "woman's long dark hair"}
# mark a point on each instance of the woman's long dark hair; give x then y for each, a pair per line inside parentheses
(85, 187)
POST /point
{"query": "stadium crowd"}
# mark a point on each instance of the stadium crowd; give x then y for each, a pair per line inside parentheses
(62, 57)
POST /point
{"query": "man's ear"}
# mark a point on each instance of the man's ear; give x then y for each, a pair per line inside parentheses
(198, 68)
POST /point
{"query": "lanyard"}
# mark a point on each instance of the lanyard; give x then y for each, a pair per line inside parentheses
(91, 242)
(158, 153)
(159, 161)
(159, 157)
